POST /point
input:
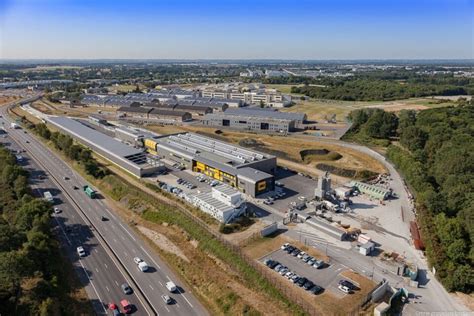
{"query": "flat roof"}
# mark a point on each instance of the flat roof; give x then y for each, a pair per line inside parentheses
(209, 199)
(252, 175)
(246, 117)
(99, 139)
(134, 109)
(266, 113)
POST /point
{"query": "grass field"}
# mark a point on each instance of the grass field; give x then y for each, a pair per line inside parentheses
(318, 109)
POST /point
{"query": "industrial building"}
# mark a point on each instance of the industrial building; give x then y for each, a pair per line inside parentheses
(256, 120)
(128, 135)
(249, 95)
(146, 114)
(249, 171)
(297, 117)
(371, 190)
(33, 83)
(224, 203)
(249, 123)
(130, 159)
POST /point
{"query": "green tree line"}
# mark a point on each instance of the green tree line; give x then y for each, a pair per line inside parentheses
(435, 154)
(29, 268)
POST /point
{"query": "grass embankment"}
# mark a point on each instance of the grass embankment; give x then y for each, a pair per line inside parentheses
(224, 281)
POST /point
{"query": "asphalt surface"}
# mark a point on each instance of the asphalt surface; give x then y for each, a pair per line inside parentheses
(122, 242)
(98, 270)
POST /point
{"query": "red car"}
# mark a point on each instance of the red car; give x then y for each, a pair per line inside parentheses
(127, 307)
(114, 308)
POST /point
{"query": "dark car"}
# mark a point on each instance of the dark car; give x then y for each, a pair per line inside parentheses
(295, 252)
(308, 285)
(347, 283)
(289, 249)
(268, 262)
(301, 281)
(316, 289)
(273, 264)
(126, 288)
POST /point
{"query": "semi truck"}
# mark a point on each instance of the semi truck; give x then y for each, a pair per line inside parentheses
(89, 191)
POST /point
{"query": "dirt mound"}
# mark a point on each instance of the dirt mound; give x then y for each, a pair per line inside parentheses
(308, 155)
(250, 142)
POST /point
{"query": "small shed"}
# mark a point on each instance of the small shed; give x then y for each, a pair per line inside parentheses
(366, 248)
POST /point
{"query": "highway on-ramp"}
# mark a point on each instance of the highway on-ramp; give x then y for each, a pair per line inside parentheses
(123, 242)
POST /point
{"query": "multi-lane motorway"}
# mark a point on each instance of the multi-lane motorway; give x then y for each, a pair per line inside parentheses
(111, 245)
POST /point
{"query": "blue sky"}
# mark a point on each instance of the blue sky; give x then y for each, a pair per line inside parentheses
(245, 29)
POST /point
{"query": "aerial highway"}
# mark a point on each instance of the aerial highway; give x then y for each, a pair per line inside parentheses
(120, 243)
(100, 272)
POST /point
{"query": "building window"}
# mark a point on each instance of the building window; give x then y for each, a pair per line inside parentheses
(225, 123)
(264, 126)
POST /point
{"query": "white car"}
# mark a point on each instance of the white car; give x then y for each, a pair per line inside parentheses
(143, 266)
(57, 210)
(284, 246)
(81, 252)
(301, 254)
(171, 286)
(166, 299)
(301, 198)
(344, 289)
(137, 260)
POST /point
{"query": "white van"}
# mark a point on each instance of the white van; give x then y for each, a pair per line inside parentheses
(171, 286)
(143, 266)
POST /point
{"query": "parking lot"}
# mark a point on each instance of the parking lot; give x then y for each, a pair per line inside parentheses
(327, 277)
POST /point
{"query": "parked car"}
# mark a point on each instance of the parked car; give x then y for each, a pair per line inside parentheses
(347, 283)
(311, 261)
(295, 252)
(284, 246)
(305, 258)
(268, 262)
(289, 249)
(301, 254)
(278, 267)
(301, 281)
(273, 264)
(289, 275)
(308, 285)
(295, 278)
(344, 289)
(267, 202)
(316, 289)
(57, 210)
(283, 271)
(318, 264)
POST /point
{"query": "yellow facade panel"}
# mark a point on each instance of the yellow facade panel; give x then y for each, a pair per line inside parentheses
(149, 143)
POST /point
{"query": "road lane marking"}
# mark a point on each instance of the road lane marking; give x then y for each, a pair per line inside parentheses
(160, 283)
(167, 309)
(126, 254)
(107, 288)
(93, 286)
(116, 282)
(97, 270)
(115, 240)
(96, 251)
(151, 257)
(105, 264)
(151, 287)
(127, 232)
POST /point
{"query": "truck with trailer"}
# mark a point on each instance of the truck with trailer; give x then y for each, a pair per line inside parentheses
(89, 191)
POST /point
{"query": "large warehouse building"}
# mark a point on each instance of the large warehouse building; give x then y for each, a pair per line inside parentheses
(249, 171)
(256, 120)
(126, 157)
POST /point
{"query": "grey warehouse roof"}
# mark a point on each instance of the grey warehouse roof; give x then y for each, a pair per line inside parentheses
(266, 113)
(88, 134)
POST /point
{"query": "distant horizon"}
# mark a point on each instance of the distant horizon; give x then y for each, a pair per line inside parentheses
(236, 30)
